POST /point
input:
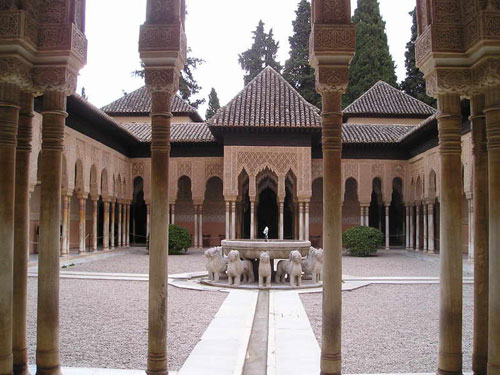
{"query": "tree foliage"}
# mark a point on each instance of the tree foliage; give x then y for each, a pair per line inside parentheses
(261, 54)
(372, 61)
(213, 104)
(297, 71)
(414, 83)
(188, 86)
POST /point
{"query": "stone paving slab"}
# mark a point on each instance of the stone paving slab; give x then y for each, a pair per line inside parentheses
(223, 346)
(96, 371)
(293, 349)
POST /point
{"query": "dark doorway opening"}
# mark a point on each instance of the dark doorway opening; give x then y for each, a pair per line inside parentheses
(138, 216)
(268, 213)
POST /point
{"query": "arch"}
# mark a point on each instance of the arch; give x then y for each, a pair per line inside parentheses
(397, 214)
(118, 187)
(138, 214)
(213, 212)
(64, 182)
(104, 183)
(79, 188)
(93, 180)
(184, 205)
(376, 210)
(351, 208)
(432, 185)
(267, 179)
(411, 194)
(418, 189)
(243, 209)
(316, 213)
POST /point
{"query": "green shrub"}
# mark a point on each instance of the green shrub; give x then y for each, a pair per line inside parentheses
(362, 241)
(179, 239)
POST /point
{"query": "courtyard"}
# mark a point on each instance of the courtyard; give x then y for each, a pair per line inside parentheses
(387, 328)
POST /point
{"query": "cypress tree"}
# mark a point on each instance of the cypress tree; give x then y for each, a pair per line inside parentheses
(262, 53)
(373, 61)
(414, 83)
(213, 104)
(297, 71)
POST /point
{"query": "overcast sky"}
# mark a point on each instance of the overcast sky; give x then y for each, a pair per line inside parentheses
(217, 31)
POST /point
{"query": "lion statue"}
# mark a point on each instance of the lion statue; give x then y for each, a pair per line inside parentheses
(265, 270)
(313, 265)
(216, 265)
(291, 267)
(238, 269)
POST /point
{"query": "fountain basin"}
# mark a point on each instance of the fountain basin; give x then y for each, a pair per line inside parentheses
(277, 249)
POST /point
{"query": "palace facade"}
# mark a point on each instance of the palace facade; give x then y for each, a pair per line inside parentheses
(256, 163)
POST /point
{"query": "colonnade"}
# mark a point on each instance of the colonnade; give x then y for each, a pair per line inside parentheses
(420, 233)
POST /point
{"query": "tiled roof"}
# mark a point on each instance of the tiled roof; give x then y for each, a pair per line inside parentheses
(383, 99)
(365, 133)
(139, 101)
(424, 124)
(193, 132)
(268, 101)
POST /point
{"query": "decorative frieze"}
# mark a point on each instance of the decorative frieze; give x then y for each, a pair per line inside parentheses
(55, 78)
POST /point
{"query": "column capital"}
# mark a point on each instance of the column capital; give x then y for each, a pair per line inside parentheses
(67, 192)
(82, 195)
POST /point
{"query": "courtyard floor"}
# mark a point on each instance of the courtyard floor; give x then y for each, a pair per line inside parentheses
(387, 328)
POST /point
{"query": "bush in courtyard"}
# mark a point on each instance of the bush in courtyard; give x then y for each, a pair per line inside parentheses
(179, 240)
(362, 241)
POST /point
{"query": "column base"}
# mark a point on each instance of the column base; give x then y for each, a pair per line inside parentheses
(493, 370)
(48, 371)
(445, 372)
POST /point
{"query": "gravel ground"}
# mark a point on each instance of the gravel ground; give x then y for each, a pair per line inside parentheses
(395, 263)
(104, 323)
(136, 260)
(392, 328)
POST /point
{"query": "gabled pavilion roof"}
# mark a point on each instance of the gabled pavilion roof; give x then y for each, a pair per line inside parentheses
(267, 101)
(384, 100)
(138, 102)
(366, 133)
(192, 132)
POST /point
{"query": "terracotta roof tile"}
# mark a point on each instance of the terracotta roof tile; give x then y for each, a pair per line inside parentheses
(366, 133)
(383, 99)
(193, 132)
(268, 101)
(139, 101)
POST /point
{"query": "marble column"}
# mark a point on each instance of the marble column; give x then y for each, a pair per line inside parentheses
(367, 216)
(124, 225)
(412, 228)
(493, 136)
(301, 220)
(195, 221)
(21, 234)
(426, 227)
(119, 238)
(430, 226)
(53, 124)
(65, 222)
(407, 227)
(470, 229)
(105, 229)
(362, 216)
(252, 219)
(332, 233)
(417, 228)
(148, 213)
(200, 225)
(94, 223)
(112, 231)
(228, 220)
(233, 220)
(161, 118)
(282, 225)
(481, 236)
(387, 228)
(172, 213)
(82, 201)
(450, 317)
(127, 226)
(306, 221)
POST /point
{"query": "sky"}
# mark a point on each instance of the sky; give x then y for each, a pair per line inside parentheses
(217, 31)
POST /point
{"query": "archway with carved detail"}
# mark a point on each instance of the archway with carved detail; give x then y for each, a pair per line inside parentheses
(213, 212)
(268, 204)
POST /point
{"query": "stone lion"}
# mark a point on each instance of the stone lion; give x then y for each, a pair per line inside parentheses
(313, 265)
(238, 269)
(216, 265)
(291, 267)
(265, 270)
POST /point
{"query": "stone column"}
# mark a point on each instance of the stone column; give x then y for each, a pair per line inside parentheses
(105, 229)
(470, 226)
(233, 220)
(407, 228)
(127, 226)
(82, 200)
(200, 225)
(306, 221)
(228, 220)
(367, 216)
(119, 238)
(47, 350)
(417, 230)
(426, 227)
(94, 223)
(148, 212)
(481, 235)
(124, 225)
(450, 317)
(362, 216)
(430, 226)
(65, 224)
(252, 219)
(412, 228)
(301, 220)
(493, 135)
(112, 233)
(172, 213)
(387, 229)
(282, 226)
(21, 233)
(195, 221)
